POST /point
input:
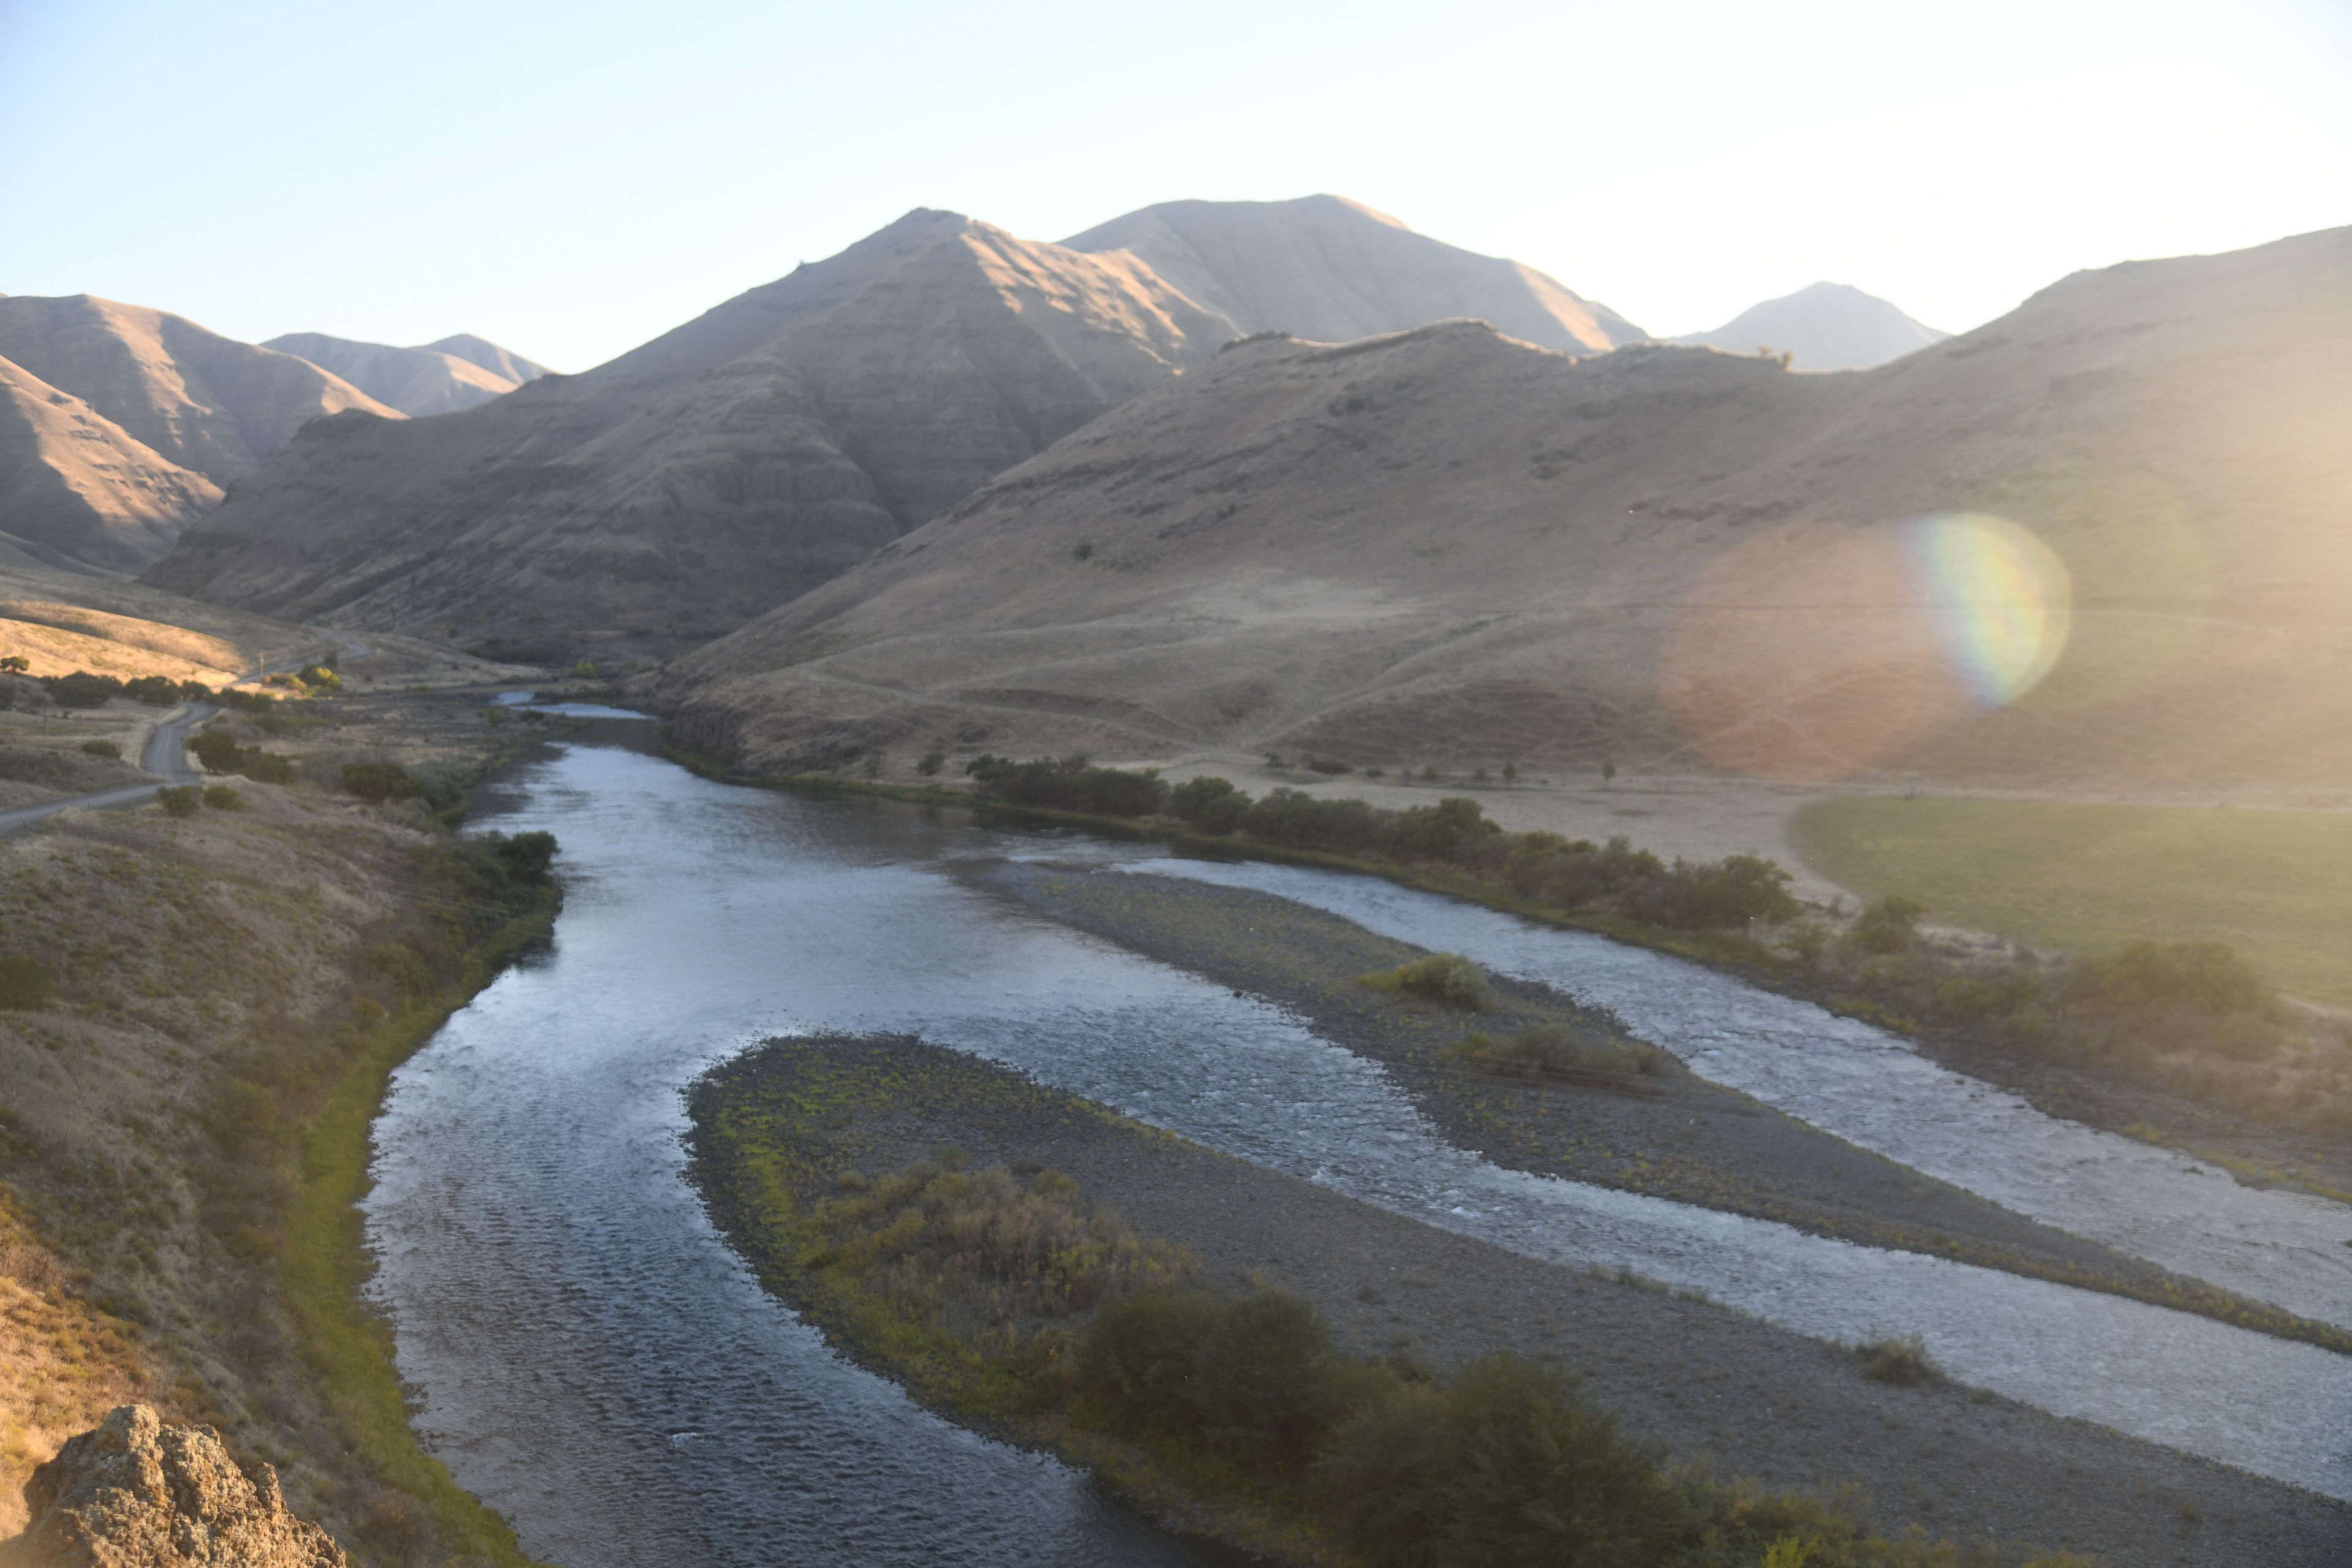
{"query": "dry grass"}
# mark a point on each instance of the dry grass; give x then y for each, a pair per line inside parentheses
(63, 1362)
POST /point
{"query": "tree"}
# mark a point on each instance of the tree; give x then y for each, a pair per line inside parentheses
(1608, 773)
(216, 751)
(81, 689)
(14, 664)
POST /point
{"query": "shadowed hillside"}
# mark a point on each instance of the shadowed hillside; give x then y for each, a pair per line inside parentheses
(76, 489)
(692, 483)
(196, 399)
(1446, 546)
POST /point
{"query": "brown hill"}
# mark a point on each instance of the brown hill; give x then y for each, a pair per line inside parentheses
(1333, 271)
(416, 382)
(196, 399)
(74, 485)
(676, 492)
(1823, 326)
(502, 362)
(1444, 546)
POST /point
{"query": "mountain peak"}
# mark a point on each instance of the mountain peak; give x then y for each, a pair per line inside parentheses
(1822, 326)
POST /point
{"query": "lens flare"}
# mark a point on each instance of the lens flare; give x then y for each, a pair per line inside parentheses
(2000, 598)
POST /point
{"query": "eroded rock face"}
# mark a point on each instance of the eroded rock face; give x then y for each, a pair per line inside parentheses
(135, 1493)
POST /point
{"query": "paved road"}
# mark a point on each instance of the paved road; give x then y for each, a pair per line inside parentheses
(165, 756)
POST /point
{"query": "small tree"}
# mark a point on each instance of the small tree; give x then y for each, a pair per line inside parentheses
(1890, 925)
(1608, 773)
(177, 800)
(14, 664)
(216, 751)
(1510, 772)
(932, 763)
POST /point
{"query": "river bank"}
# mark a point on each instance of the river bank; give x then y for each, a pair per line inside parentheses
(185, 1116)
(1714, 1387)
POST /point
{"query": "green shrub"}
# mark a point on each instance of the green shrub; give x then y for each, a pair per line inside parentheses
(529, 858)
(932, 761)
(1250, 1381)
(2202, 976)
(1434, 832)
(1329, 765)
(81, 689)
(378, 782)
(1546, 1048)
(105, 749)
(1295, 818)
(220, 797)
(154, 690)
(1506, 1466)
(1211, 804)
(177, 800)
(1904, 1362)
(1889, 925)
(216, 750)
(1070, 784)
(24, 984)
(1446, 977)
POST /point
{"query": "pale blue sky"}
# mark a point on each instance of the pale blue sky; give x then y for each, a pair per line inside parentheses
(572, 179)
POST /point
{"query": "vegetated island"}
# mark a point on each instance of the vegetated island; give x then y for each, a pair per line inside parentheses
(1536, 1083)
(1258, 1360)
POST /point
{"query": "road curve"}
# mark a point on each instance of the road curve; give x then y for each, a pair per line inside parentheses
(165, 756)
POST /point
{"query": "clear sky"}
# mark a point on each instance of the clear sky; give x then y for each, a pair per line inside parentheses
(572, 178)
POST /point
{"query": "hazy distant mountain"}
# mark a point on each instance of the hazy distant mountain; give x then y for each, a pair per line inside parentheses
(504, 364)
(676, 492)
(1827, 326)
(1441, 547)
(76, 487)
(1332, 270)
(417, 382)
(196, 399)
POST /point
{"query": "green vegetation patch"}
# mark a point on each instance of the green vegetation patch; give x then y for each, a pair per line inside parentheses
(2274, 885)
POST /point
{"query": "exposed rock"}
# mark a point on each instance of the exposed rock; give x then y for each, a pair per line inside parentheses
(135, 1493)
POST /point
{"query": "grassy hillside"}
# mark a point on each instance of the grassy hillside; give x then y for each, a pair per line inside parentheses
(2275, 884)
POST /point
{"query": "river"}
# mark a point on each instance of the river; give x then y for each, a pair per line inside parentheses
(592, 1361)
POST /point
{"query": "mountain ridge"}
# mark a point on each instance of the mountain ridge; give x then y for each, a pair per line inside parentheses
(1442, 546)
(1822, 327)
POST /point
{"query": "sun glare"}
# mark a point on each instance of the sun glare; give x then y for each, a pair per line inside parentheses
(2000, 598)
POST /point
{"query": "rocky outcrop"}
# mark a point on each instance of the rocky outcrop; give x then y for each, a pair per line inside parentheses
(135, 1493)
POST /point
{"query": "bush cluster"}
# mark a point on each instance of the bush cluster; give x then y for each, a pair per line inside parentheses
(1505, 1463)
(1070, 784)
(1446, 977)
(1545, 1050)
(217, 751)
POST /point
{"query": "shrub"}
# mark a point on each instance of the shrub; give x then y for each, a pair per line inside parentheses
(1889, 925)
(14, 664)
(1070, 784)
(1548, 1049)
(1249, 1381)
(177, 800)
(1295, 818)
(1446, 977)
(1732, 891)
(1434, 832)
(378, 782)
(81, 689)
(154, 690)
(1904, 1362)
(2202, 976)
(529, 858)
(24, 984)
(105, 749)
(931, 763)
(1507, 1466)
(1329, 765)
(220, 797)
(1213, 806)
(216, 750)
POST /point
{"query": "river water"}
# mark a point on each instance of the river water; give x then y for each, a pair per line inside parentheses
(592, 1361)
